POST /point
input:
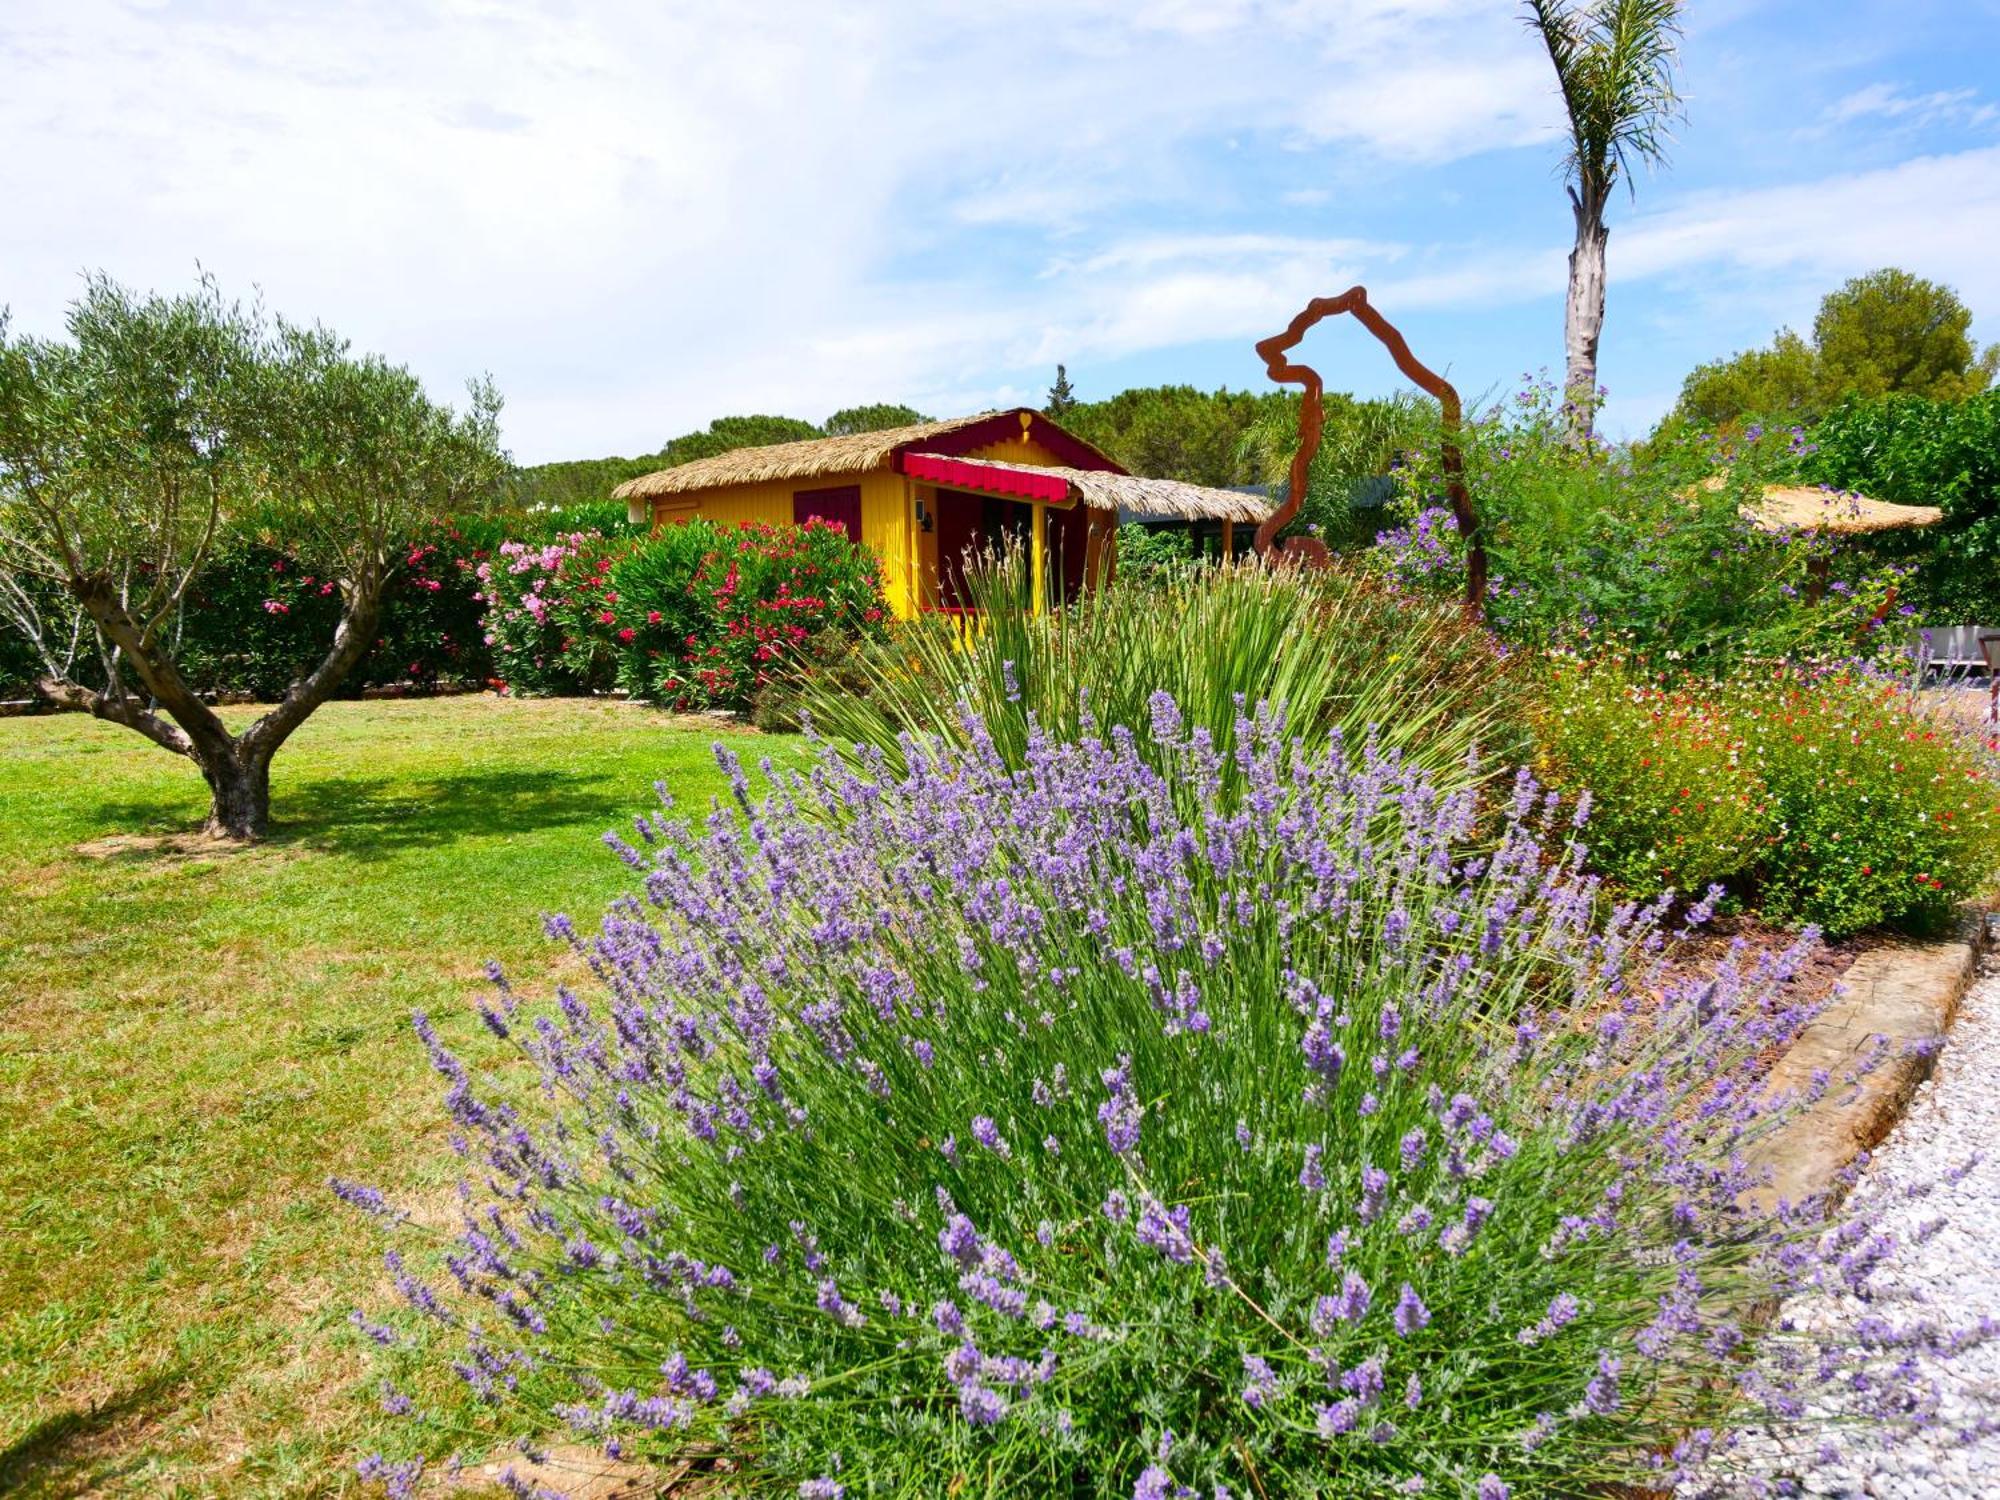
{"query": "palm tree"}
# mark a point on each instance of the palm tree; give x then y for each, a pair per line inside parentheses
(1615, 62)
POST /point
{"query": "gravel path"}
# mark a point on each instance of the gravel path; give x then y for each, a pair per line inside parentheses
(1952, 1278)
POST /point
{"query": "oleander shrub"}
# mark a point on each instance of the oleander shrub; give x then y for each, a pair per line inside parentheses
(1075, 1126)
(1884, 814)
(550, 614)
(706, 615)
(1676, 803)
(1335, 648)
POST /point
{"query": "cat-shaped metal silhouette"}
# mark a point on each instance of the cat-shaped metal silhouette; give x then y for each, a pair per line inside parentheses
(1312, 419)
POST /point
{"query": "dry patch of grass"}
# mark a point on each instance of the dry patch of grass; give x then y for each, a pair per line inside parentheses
(193, 1038)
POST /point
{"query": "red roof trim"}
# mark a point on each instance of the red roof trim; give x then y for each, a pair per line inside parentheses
(1071, 451)
(1016, 482)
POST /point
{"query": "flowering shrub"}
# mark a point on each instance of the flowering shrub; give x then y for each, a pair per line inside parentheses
(1591, 544)
(706, 614)
(1828, 799)
(549, 613)
(1883, 813)
(1676, 802)
(1078, 1129)
(256, 617)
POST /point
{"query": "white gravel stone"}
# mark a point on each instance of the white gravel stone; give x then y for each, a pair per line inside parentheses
(1952, 1279)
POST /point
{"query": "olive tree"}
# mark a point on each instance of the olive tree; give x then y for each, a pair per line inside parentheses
(125, 450)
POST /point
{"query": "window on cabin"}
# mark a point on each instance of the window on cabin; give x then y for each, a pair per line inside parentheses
(840, 506)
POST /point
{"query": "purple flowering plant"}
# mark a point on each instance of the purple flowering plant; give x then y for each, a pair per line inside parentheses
(1642, 547)
(1522, 1259)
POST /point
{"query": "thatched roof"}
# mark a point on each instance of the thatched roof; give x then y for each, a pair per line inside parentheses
(814, 458)
(1162, 499)
(1799, 507)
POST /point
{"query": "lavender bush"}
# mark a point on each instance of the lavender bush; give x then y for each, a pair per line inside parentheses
(1078, 1130)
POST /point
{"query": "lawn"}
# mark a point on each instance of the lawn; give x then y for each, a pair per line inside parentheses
(192, 1038)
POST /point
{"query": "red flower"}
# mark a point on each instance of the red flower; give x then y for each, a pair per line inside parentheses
(605, 617)
(627, 634)
(652, 617)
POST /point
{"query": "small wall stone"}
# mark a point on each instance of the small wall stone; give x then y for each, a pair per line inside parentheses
(1906, 995)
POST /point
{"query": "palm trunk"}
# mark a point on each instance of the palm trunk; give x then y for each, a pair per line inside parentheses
(1583, 314)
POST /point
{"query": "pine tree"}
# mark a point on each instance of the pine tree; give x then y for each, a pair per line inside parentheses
(1062, 396)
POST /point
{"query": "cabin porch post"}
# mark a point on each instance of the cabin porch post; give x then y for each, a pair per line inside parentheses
(1038, 548)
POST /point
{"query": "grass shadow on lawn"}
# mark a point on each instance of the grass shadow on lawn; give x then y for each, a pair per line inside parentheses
(376, 818)
(66, 1453)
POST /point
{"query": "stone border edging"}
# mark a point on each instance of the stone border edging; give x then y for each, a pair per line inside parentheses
(1907, 995)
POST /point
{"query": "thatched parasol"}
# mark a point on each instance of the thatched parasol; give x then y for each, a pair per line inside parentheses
(1096, 489)
(1823, 511)
(1829, 512)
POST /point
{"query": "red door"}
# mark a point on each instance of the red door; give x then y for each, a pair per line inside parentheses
(836, 507)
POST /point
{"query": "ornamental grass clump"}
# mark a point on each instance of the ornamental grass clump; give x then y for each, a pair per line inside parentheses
(1077, 1128)
(1335, 648)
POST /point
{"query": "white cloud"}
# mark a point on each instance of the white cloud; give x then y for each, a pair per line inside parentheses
(638, 215)
(1889, 102)
(641, 216)
(1938, 216)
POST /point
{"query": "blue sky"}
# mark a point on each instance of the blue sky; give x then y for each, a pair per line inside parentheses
(639, 217)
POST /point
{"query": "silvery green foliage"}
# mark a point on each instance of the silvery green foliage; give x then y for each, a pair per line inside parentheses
(1081, 1128)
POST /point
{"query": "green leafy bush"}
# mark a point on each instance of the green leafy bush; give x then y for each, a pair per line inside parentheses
(1883, 814)
(1675, 802)
(1591, 546)
(1921, 452)
(1143, 551)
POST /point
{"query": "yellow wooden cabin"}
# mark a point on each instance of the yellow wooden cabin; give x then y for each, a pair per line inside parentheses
(925, 497)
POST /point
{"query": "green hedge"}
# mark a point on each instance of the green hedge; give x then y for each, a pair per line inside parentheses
(1916, 451)
(254, 618)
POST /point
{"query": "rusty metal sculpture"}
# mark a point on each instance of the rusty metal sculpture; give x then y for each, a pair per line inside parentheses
(1311, 551)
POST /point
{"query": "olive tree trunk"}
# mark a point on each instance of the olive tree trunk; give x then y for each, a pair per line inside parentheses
(237, 767)
(1583, 312)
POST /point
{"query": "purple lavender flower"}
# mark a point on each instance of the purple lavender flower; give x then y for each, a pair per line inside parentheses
(1601, 1395)
(1354, 1298)
(1120, 1114)
(988, 1135)
(1411, 1314)
(1338, 1418)
(1166, 1230)
(1312, 1177)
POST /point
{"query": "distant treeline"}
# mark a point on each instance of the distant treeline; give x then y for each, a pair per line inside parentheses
(1167, 432)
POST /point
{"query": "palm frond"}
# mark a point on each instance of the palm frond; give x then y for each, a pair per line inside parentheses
(1615, 63)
